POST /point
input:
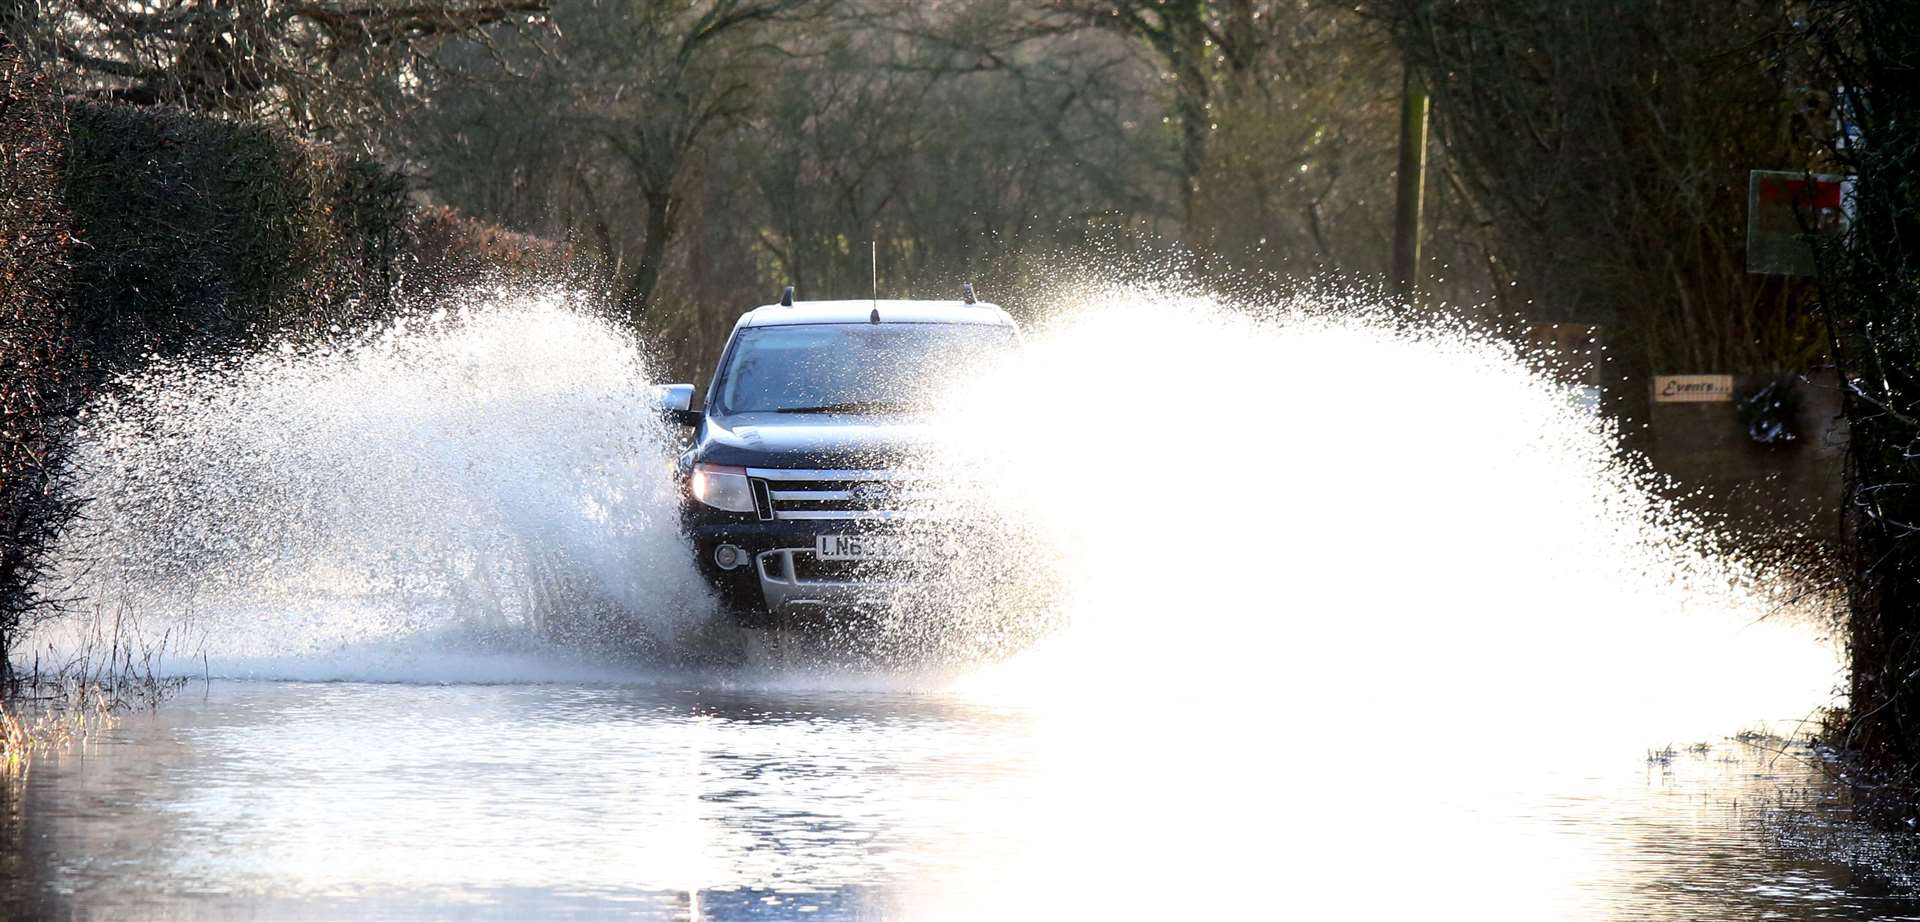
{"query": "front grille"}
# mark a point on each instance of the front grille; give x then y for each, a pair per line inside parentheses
(796, 494)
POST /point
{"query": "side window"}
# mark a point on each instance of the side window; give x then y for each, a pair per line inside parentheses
(711, 399)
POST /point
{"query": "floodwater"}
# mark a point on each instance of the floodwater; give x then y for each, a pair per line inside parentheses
(1345, 616)
(684, 800)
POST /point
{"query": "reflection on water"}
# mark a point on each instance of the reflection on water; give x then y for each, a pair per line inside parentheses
(350, 800)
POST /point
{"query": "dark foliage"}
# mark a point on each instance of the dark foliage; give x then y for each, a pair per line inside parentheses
(133, 232)
(41, 366)
(1607, 145)
(327, 68)
(1870, 285)
(446, 248)
(203, 233)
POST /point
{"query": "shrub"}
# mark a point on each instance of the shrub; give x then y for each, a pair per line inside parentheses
(42, 368)
(132, 232)
(201, 233)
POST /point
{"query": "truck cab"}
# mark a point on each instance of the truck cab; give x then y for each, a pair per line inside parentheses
(797, 495)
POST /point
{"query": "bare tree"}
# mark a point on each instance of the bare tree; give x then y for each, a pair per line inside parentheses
(655, 81)
(1609, 143)
(1206, 49)
(948, 137)
(712, 151)
(320, 66)
(1301, 152)
(1869, 283)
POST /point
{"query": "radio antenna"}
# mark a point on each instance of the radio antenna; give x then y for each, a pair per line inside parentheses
(873, 259)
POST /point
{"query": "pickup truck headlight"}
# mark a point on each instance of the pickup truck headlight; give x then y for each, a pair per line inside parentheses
(722, 487)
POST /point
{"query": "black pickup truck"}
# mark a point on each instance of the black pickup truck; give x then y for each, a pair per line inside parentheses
(795, 494)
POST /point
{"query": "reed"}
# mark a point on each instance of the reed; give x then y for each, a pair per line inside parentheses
(61, 699)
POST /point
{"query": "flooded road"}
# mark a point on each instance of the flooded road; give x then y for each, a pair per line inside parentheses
(721, 800)
(1397, 649)
(330, 800)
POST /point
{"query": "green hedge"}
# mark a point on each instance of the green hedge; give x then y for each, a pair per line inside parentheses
(128, 232)
(197, 232)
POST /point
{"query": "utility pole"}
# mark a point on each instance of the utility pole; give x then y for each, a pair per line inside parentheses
(1412, 184)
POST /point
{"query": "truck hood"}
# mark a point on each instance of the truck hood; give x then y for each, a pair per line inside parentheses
(837, 442)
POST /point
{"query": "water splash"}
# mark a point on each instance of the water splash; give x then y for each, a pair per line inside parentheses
(457, 475)
(1333, 596)
(1378, 587)
(1341, 501)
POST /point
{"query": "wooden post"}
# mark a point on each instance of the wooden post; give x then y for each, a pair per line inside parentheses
(1412, 185)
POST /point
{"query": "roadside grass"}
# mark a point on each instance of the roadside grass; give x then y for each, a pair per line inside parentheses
(60, 700)
(1760, 739)
(1757, 737)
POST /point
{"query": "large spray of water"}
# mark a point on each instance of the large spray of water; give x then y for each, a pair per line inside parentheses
(1290, 552)
(1344, 596)
(1370, 502)
(1283, 479)
(455, 478)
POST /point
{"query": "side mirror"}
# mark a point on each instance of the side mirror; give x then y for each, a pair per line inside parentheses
(675, 402)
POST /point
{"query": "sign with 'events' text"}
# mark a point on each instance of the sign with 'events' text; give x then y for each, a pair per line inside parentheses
(1692, 388)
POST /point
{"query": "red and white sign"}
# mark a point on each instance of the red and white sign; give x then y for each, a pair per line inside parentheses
(1785, 210)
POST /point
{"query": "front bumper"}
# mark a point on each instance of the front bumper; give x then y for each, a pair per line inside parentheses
(780, 575)
(789, 589)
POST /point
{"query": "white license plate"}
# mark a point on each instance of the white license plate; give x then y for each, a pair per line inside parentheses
(861, 547)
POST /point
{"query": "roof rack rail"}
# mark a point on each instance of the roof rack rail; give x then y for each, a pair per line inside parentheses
(786, 297)
(966, 293)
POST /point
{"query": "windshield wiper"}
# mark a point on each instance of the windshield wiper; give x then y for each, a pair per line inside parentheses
(856, 406)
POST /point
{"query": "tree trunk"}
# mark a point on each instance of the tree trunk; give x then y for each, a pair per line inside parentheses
(1190, 105)
(661, 216)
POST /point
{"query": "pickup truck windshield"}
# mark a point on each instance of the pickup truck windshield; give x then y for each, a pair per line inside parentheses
(852, 367)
